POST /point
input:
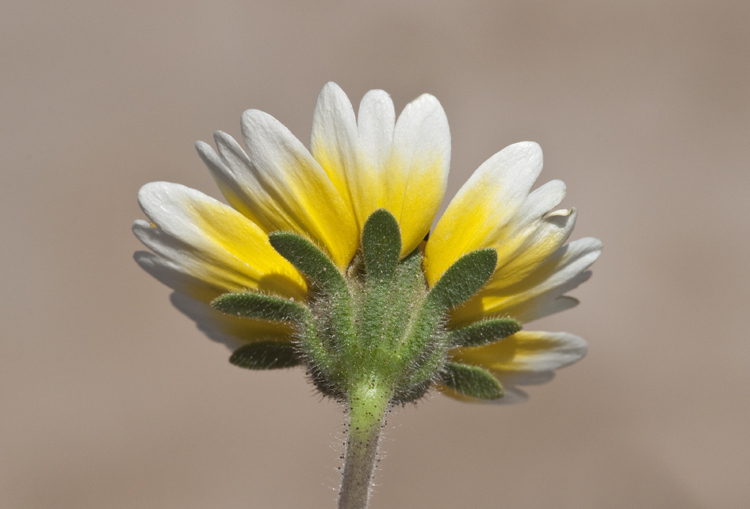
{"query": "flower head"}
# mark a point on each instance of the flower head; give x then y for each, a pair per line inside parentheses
(319, 258)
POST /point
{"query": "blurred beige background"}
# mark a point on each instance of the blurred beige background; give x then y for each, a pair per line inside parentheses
(111, 398)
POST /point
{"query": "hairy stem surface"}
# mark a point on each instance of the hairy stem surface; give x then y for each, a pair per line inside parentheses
(367, 409)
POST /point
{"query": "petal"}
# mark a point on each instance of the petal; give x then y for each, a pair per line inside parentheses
(376, 122)
(229, 330)
(368, 180)
(417, 172)
(532, 297)
(485, 208)
(375, 164)
(546, 305)
(279, 186)
(525, 358)
(540, 202)
(525, 351)
(524, 251)
(298, 187)
(229, 180)
(176, 277)
(334, 139)
(212, 242)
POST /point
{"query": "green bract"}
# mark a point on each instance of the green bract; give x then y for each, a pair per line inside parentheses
(378, 330)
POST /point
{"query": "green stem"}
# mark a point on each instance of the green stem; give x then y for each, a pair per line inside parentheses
(367, 409)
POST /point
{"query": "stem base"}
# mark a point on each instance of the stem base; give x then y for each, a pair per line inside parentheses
(367, 410)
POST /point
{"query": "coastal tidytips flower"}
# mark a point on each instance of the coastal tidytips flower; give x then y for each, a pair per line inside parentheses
(323, 258)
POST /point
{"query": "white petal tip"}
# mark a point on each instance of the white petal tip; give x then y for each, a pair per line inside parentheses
(206, 151)
(221, 135)
(331, 87)
(526, 149)
(148, 191)
(528, 145)
(593, 244)
(427, 103)
(377, 95)
(253, 117)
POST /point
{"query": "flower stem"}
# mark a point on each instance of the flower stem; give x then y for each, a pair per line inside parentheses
(367, 409)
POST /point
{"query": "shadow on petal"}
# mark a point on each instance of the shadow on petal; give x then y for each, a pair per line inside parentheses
(231, 331)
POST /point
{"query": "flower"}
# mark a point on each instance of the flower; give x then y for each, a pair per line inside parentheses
(203, 248)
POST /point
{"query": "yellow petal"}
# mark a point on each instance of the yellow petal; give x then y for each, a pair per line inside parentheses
(334, 140)
(280, 187)
(485, 209)
(525, 351)
(525, 250)
(375, 164)
(212, 242)
(417, 171)
(562, 271)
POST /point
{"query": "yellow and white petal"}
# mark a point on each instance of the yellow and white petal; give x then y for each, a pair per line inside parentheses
(297, 185)
(279, 186)
(213, 242)
(525, 351)
(376, 122)
(535, 295)
(368, 182)
(229, 330)
(191, 298)
(334, 141)
(538, 204)
(525, 358)
(526, 249)
(417, 171)
(378, 162)
(177, 278)
(486, 208)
